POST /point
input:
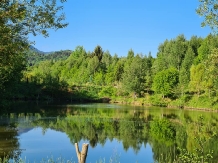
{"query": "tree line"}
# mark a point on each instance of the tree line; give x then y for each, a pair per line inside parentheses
(183, 71)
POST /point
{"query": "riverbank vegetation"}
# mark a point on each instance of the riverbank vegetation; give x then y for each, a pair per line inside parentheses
(182, 75)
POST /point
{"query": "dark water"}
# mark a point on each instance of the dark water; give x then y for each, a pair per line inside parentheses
(115, 133)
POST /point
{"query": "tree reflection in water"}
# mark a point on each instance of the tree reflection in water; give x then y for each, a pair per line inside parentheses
(9, 144)
(165, 130)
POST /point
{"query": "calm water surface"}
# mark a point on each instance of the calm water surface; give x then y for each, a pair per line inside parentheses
(115, 133)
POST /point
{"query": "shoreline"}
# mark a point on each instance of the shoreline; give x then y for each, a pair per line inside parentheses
(139, 103)
(121, 101)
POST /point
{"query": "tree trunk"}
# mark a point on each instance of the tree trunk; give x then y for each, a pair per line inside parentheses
(83, 154)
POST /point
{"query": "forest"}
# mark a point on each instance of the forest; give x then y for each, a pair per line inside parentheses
(182, 75)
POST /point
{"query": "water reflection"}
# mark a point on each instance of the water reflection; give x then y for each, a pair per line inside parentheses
(9, 144)
(134, 128)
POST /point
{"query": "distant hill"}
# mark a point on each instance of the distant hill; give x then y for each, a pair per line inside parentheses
(35, 56)
(32, 48)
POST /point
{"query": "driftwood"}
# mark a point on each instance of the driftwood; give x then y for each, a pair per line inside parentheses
(83, 154)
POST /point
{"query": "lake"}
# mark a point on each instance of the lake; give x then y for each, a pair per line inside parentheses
(115, 133)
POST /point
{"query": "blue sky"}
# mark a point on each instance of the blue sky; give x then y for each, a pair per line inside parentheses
(121, 25)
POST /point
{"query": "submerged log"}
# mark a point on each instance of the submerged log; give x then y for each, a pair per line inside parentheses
(83, 154)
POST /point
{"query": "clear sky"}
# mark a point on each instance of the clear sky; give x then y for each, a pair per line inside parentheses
(121, 25)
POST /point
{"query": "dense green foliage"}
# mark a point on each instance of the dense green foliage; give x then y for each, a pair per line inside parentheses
(183, 72)
(182, 75)
(165, 81)
(18, 19)
(209, 9)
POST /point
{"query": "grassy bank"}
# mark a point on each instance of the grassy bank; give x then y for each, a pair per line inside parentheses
(202, 102)
(93, 93)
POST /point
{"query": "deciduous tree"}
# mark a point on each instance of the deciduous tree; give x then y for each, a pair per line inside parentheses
(197, 73)
(209, 10)
(18, 19)
(165, 81)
